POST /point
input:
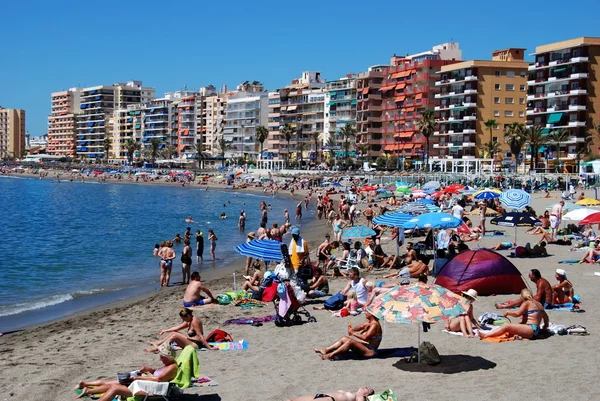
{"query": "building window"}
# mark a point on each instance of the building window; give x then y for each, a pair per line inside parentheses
(497, 73)
(496, 113)
(521, 114)
(522, 74)
(495, 139)
(522, 88)
(510, 74)
(510, 87)
(509, 100)
(497, 87)
(522, 100)
(508, 113)
(497, 100)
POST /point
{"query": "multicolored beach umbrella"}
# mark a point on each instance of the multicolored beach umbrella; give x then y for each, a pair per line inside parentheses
(487, 194)
(515, 198)
(358, 232)
(265, 249)
(485, 271)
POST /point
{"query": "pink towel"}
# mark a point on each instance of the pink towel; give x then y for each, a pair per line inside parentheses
(284, 305)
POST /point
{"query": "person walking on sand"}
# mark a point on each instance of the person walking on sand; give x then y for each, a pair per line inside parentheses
(186, 261)
(199, 246)
(167, 255)
(212, 238)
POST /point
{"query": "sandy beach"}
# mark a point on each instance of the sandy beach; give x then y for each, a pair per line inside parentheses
(45, 362)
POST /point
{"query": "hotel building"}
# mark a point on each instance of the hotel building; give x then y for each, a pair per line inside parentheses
(61, 122)
(563, 91)
(368, 110)
(273, 145)
(247, 108)
(125, 124)
(340, 106)
(97, 106)
(407, 90)
(12, 133)
(476, 91)
(216, 106)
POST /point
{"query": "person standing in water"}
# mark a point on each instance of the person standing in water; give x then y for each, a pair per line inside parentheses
(242, 221)
(186, 261)
(212, 238)
(199, 246)
(167, 255)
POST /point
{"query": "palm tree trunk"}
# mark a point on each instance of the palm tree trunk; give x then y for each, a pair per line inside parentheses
(558, 156)
(427, 165)
(287, 157)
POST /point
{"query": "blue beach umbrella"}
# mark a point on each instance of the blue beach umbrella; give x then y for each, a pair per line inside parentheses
(393, 219)
(382, 190)
(486, 194)
(426, 201)
(432, 185)
(434, 220)
(515, 198)
(265, 249)
(336, 184)
(358, 232)
(432, 208)
(413, 207)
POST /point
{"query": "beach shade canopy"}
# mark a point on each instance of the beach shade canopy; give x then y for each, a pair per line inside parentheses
(432, 185)
(395, 219)
(432, 208)
(579, 214)
(486, 194)
(402, 190)
(588, 202)
(515, 198)
(591, 219)
(336, 184)
(358, 232)
(434, 220)
(485, 271)
(381, 190)
(265, 249)
(454, 189)
(418, 303)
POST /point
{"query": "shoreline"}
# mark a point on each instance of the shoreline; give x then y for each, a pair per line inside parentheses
(117, 298)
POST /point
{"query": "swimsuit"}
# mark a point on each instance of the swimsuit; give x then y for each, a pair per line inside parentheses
(199, 302)
(320, 395)
(197, 342)
(535, 328)
(168, 263)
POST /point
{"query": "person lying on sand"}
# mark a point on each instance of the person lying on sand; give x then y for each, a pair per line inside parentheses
(464, 322)
(503, 245)
(192, 295)
(112, 389)
(532, 315)
(412, 270)
(543, 292)
(359, 395)
(368, 336)
(193, 327)
(545, 236)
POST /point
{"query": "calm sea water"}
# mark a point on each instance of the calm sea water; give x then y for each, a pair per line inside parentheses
(64, 241)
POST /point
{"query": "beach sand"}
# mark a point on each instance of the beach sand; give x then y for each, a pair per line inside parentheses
(44, 363)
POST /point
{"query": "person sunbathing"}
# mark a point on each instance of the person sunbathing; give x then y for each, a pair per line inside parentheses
(359, 395)
(543, 293)
(195, 334)
(537, 250)
(112, 389)
(591, 255)
(368, 336)
(464, 322)
(545, 236)
(532, 315)
(503, 246)
(562, 292)
(413, 270)
(253, 282)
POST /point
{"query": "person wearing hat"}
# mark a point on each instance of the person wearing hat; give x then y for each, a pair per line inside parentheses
(464, 323)
(113, 388)
(562, 292)
(298, 250)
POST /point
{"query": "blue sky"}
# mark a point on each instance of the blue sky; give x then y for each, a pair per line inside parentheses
(52, 46)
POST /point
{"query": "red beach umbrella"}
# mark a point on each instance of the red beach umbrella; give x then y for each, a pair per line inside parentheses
(368, 188)
(593, 218)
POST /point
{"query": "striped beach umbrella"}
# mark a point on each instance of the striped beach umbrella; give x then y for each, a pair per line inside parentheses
(515, 198)
(413, 207)
(487, 194)
(265, 249)
(395, 219)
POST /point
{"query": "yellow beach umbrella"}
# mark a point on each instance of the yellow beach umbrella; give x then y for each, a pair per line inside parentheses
(588, 202)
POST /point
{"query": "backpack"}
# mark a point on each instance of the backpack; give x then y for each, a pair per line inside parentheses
(429, 354)
(335, 302)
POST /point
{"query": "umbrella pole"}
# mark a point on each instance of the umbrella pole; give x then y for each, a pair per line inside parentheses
(515, 235)
(419, 343)
(234, 286)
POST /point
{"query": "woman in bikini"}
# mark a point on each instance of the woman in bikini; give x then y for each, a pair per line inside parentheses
(562, 292)
(212, 238)
(167, 255)
(464, 323)
(368, 336)
(194, 337)
(532, 314)
(359, 395)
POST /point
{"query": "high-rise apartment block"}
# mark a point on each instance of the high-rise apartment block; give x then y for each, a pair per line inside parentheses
(474, 92)
(61, 122)
(340, 105)
(12, 133)
(368, 110)
(563, 91)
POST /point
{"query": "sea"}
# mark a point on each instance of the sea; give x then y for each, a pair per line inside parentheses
(68, 246)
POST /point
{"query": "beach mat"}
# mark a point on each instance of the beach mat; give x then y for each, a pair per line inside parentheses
(241, 345)
(254, 321)
(512, 255)
(382, 353)
(569, 261)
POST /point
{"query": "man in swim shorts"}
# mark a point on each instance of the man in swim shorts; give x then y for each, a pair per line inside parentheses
(555, 216)
(192, 295)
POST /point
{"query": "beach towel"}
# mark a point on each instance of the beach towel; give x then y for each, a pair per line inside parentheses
(569, 261)
(251, 320)
(188, 367)
(504, 338)
(387, 395)
(249, 303)
(382, 353)
(241, 345)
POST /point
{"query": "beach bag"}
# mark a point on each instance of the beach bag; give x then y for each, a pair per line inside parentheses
(429, 354)
(521, 252)
(217, 336)
(335, 302)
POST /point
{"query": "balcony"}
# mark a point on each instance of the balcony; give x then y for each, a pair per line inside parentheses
(576, 124)
(579, 60)
(577, 92)
(577, 107)
(468, 144)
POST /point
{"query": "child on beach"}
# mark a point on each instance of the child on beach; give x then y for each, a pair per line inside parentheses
(350, 307)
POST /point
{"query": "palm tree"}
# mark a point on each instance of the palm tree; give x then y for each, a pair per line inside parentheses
(331, 143)
(131, 147)
(426, 125)
(585, 149)
(491, 124)
(168, 152)
(535, 138)
(301, 148)
(363, 150)
(262, 133)
(106, 145)
(348, 132)
(223, 146)
(514, 135)
(316, 136)
(199, 148)
(287, 131)
(557, 136)
(490, 149)
(155, 145)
